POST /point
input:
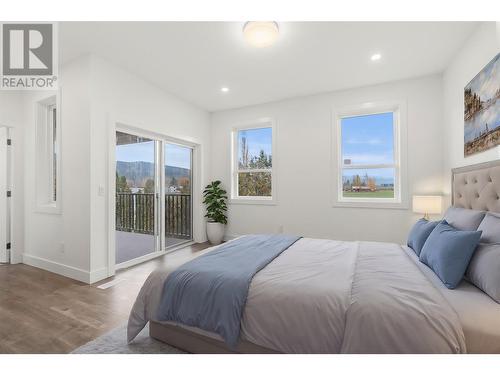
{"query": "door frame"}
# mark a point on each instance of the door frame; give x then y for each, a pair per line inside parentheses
(5, 219)
(118, 125)
(158, 178)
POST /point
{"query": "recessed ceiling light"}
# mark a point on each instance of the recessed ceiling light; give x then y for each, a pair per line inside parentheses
(376, 57)
(224, 89)
(261, 34)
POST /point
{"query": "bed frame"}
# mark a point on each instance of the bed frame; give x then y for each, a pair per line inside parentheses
(477, 186)
(197, 343)
(474, 187)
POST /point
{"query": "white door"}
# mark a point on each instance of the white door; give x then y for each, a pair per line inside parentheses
(3, 196)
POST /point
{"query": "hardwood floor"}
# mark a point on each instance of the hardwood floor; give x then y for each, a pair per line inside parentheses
(41, 312)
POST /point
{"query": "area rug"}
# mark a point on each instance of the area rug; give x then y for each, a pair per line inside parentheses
(115, 342)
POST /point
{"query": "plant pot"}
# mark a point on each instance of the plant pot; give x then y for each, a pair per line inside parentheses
(215, 232)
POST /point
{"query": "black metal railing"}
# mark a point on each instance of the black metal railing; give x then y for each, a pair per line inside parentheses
(178, 215)
(135, 212)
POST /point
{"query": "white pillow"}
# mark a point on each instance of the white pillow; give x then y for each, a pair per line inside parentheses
(484, 267)
(463, 218)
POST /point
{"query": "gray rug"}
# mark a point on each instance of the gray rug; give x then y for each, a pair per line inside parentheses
(115, 342)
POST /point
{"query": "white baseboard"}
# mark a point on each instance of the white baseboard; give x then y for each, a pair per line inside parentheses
(59, 268)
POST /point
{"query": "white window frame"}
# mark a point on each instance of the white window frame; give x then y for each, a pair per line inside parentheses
(46, 153)
(400, 200)
(251, 125)
(53, 174)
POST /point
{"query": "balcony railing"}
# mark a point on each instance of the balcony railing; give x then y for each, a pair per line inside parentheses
(135, 213)
(178, 215)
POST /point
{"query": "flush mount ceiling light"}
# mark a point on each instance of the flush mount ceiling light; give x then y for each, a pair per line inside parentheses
(224, 89)
(261, 33)
(376, 57)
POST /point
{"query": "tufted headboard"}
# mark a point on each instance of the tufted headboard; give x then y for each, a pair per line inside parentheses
(477, 186)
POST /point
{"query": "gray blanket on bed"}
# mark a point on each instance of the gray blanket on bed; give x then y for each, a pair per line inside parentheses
(324, 296)
(210, 291)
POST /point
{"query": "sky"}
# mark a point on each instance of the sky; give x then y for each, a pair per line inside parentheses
(369, 140)
(257, 139)
(176, 156)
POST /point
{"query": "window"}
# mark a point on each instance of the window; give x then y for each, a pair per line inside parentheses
(47, 160)
(369, 160)
(52, 123)
(253, 163)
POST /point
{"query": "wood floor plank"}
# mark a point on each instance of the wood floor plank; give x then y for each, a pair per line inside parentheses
(41, 312)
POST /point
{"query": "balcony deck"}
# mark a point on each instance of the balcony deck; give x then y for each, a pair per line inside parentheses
(135, 222)
(133, 245)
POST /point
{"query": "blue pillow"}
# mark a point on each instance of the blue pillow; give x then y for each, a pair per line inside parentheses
(448, 252)
(419, 233)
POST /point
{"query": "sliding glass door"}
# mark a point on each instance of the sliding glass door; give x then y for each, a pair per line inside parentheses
(136, 197)
(153, 199)
(178, 198)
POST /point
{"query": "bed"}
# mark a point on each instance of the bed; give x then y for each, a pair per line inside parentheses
(325, 296)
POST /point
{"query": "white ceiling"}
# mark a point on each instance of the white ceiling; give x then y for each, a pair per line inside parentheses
(193, 60)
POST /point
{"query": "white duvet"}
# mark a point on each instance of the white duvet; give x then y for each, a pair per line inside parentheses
(323, 296)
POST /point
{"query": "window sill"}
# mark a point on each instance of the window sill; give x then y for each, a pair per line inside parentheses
(256, 201)
(372, 205)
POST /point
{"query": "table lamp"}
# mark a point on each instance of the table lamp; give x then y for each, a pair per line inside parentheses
(427, 205)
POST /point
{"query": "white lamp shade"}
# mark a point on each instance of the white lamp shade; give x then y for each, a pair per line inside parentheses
(427, 204)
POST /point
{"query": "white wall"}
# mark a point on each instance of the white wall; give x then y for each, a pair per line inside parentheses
(74, 243)
(479, 49)
(60, 242)
(304, 169)
(11, 115)
(117, 95)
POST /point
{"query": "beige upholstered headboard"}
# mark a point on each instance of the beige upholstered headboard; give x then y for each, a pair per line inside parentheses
(477, 186)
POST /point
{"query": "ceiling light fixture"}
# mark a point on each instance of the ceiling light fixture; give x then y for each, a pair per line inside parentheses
(224, 89)
(376, 57)
(261, 34)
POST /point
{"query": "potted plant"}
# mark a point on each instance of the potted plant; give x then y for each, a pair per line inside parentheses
(215, 199)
